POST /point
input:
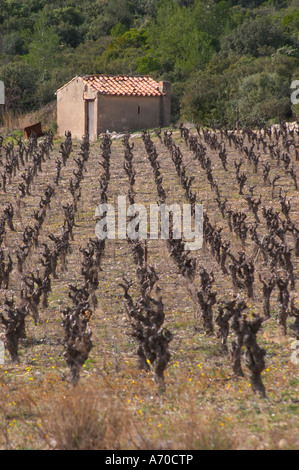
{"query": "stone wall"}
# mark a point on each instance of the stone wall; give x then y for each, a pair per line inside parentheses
(127, 113)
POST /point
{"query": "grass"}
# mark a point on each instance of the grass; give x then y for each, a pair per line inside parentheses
(14, 123)
(117, 406)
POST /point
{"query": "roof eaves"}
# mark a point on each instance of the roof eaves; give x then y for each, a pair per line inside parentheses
(100, 83)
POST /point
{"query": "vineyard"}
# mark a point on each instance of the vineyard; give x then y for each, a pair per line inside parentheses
(140, 344)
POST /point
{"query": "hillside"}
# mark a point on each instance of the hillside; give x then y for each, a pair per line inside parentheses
(206, 397)
(226, 60)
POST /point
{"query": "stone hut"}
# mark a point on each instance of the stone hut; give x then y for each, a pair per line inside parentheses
(93, 104)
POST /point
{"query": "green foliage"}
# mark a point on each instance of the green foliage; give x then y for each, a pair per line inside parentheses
(244, 88)
(179, 45)
(13, 44)
(43, 58)
(262, 97)
(44, 47)
(202, 97)
(20, 86)
(226, 59)
(148, 64)
(254, 36)
(124, 51)
(118, 30)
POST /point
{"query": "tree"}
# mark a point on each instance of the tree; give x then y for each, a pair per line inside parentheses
(122, 54)
(44, 57)
(254, 35)
(13, 44)
(179, 46)
(20, 86)
(67, 24)
(262, 97)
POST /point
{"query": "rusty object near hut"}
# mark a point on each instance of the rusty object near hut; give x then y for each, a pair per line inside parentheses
(34, 128)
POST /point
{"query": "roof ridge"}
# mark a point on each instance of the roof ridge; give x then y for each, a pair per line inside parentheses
(109, 84)
(123, 84)
(113, 75)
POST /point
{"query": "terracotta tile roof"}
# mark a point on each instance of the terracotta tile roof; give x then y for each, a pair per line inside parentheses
(123, 85)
